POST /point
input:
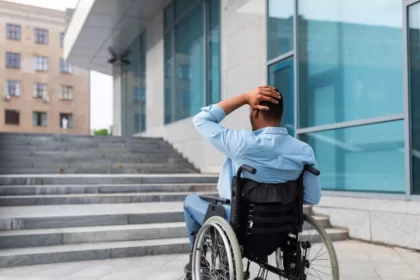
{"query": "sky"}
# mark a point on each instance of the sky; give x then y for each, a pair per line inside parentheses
(101, 85)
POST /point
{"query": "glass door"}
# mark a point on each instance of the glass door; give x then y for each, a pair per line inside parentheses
(281, 77)
(413, 61)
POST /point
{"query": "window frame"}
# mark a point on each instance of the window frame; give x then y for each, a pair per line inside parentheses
(66, 92)
(13, 60)
(6, 118)
(41, 36)
(13, 32)
(41, 63)
(12, 85)
(65, 68)
(69, 117)
(40, 116)
(36, 90)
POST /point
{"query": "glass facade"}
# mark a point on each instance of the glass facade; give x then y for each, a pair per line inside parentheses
(348, 67)
(280, 27)
(134, 89)
(414, 88)
(192, 57)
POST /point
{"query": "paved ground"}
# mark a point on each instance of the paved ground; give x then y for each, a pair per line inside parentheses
(358, 261)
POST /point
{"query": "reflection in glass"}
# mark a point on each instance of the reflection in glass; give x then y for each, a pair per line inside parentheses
(134, 89)
(414, 82)
(281, 77)
(213, 51)
(365, 158)
(350, 66)
(280, 27)
(192, 60)
(189, 62)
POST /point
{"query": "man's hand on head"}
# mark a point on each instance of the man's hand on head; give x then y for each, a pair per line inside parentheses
(264, 93)
(253, 98)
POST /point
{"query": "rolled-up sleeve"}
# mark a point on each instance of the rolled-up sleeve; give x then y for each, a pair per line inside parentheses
(228, 141)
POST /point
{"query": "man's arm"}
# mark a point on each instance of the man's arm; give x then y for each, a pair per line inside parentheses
(311, 184)
(229, 141)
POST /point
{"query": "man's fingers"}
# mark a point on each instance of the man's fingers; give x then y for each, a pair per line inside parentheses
(271, 93)
(261, 108)
(270, 99)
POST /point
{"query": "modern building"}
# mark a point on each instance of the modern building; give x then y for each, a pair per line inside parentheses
(39, 87)
(348, 70)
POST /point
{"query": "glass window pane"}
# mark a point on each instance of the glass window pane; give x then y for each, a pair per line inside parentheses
(351, 60)
(281, 77)
(134, 80)
(168, 16)
(365, 158)
(280, 27)
(189, 54)
(182, 6)
(213, 52)
(414, 82)
(169, 62)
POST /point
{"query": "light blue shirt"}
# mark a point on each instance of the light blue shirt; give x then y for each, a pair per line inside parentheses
(277, 156)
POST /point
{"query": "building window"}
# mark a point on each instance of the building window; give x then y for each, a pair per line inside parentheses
(62, 39)
(12, 88)
(139, 94)
(12, 117)
(39, 119)
(65, 67)
(41, 63)
(191, 49)
(40, 90)
(134, 88)
(68, 117)
(66, 92)
(345, 80)
(280, 27)
(184, 72)
(41, 36)
(12, 60)
(13, 32)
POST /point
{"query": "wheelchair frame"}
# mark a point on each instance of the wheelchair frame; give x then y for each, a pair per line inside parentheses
(216, 208)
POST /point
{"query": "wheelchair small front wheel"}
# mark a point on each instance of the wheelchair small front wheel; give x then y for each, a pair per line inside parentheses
(216, 252)
(317, 251)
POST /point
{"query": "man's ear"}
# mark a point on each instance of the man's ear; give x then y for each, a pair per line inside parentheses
(256, 113)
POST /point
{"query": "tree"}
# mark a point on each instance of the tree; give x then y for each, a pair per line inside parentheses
(101, 132)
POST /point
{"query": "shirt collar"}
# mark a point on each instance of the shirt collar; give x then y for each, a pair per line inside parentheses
(272, 130)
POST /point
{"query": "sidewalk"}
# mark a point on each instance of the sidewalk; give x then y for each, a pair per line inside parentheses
(358, 261)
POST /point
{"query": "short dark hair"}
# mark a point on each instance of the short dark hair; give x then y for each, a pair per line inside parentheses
(275, 111)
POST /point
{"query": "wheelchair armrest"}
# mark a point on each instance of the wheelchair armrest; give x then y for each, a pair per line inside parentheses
(214, 199)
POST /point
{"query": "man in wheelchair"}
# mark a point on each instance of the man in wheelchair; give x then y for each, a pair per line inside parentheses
(279, 158)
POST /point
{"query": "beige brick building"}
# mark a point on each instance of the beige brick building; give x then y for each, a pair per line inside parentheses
(38, 88)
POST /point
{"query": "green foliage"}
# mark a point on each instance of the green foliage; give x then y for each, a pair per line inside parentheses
(101, 132)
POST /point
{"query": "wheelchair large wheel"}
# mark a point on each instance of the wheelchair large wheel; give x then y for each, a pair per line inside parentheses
(216, 252)
(321, 260)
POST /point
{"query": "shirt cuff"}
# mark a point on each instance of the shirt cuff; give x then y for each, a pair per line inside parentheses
(216, 111)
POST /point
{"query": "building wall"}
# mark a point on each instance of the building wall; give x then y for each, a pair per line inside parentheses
(243, 67)
(28, 18)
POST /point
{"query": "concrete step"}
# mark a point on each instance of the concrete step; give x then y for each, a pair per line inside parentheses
(95, 179)
(64, 236)
(64, 216)
(96, 170)
(90, 164)
(26, 200)
(104, 189)
(92, 251)
(99, 234)
(95, 251)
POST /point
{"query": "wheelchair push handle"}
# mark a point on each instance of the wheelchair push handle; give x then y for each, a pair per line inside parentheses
(312, 170)
(246, 168)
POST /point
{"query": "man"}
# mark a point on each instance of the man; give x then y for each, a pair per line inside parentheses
(277, 156)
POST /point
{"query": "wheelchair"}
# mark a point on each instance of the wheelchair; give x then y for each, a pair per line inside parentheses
(256, 230)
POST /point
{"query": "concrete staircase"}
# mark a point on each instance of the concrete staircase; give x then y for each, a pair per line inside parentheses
(51, 218)
(62, 154)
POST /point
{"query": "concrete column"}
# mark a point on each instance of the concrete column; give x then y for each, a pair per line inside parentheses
(117, 101)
